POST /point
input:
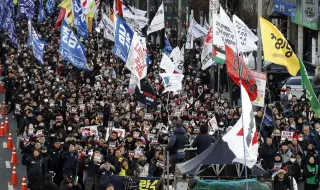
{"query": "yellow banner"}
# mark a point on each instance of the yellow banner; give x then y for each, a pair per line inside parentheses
(276, 48)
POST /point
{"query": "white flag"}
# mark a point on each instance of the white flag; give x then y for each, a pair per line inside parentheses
(175, 54)
(158, 21)
(108, 27)
(180, 62)
(171, 82)
(206, 55)
(195, 31)
(167, 64)
(136, 61)
(245, 37)
(246, 126)
(134, 20)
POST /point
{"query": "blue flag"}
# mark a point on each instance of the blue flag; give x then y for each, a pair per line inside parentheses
(51, 5)
(71, 48)
(267, 119)
(35, 44)
(7, 23)
(123, 39)
(80, 22)
(26, 8)
(167, 46)
(42, 12)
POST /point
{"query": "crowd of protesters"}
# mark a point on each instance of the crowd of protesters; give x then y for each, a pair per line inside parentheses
(52, 102)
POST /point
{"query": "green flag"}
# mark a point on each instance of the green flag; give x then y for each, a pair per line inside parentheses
(309, 90)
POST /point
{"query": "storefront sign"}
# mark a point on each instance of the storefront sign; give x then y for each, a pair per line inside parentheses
(283, 7)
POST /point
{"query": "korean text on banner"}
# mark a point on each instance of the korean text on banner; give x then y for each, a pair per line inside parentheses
(286, 135)
(276, 48)
(123, 39)
(89, 131)
(261, 81)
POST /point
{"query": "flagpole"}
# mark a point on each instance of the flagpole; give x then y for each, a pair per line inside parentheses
(244, 144)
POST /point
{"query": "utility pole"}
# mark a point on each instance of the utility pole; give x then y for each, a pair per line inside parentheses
(259, 53)
(148, 9)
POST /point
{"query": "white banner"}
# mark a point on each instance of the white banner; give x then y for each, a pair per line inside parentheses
(261, 81)
(245, 37)
(206, 55)
(180, 62)
(167, 64)
(195, 31)
(175, 54)
(286, 135)
(223, 31)
(89, 131)
(136, 61)
(158, 21)
(108, 27)
(171, 82)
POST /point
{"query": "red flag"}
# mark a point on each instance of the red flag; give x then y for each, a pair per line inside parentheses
(119, 8)
(60, 18)
(247, 77)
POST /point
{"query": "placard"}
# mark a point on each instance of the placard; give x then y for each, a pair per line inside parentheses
(261, 81)
(120, 132)
(89, 131)
(286, 135)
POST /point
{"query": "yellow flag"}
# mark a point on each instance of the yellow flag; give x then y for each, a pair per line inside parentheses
(15, 2)
(67, 4)
(276, 48)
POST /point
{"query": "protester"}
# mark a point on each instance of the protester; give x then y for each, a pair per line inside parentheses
(311, 174)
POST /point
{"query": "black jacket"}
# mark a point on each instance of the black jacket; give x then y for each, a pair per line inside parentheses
(49, 185)
(267, 152)
(178, 140)
(202, 142)
(70, 162)
(93, 168)
(287, 183)
(36, 168)
(106, 177)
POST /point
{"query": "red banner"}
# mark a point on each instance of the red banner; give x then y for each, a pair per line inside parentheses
(60, 18)
(247, 77)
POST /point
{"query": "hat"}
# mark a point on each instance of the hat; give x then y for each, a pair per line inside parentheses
(280, 171)
(69, 176)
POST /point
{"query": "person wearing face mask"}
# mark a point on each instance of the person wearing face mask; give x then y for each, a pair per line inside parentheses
(311, 174)
(282, 181)
(310, 152)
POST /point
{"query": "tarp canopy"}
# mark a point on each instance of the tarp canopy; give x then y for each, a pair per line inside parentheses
(218, 153)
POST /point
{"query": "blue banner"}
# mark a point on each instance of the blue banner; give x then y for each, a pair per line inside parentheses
(42, 12)
(35, 44)
(71, 48)
(123, 39)
(167, 46)
(50, 6)
(7, 23)
(80, 22)
(283, 7)
(26, 8)
(145, 183)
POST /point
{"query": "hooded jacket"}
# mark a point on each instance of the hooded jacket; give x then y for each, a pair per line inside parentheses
(178, 140)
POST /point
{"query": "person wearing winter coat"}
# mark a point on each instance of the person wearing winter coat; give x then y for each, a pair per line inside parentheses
(266, 152)
(178, 141)
(70, 161)
(282, 181)
(55, 163)
(125, 170)
(106, 172)
(36, 169)
(276, 164)
(203, 140)
(92, 164)
(310, 152)
(48, 184)
(311, 174)
(285, 153)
